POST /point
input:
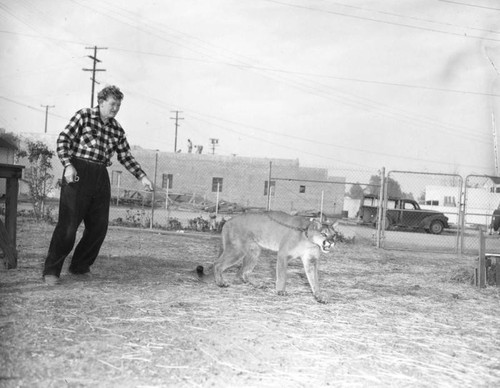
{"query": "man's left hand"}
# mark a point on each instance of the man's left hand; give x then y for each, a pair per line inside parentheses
(147, 183)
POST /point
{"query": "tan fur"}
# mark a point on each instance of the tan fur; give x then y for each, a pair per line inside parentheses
(292, 237)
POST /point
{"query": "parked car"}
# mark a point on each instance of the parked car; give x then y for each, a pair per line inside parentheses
(402, 213)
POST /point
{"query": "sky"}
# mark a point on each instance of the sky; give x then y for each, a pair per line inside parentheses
(345, 85)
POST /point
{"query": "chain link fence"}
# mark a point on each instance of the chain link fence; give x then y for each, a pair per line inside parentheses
(421, 211)
(192, 191)
(481, 211)
(200, 192)
(337, 195)
(403, 210)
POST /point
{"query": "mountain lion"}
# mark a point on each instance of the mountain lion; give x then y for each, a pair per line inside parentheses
(292, 237)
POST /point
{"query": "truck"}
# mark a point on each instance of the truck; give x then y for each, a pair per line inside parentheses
(402, 213)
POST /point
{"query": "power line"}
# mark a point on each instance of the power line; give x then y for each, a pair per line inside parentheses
(462, 35)
(312, 89)
(350, 162)
(270, 69)
(318, 89)
(316, 75)
(19, 72)
(417, 18)
(29, 106)
(40, 36)
(36, 12)
(209, 119)
(470, 5)
(350, 100)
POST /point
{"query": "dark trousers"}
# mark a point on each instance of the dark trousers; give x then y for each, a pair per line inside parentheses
(86, 200)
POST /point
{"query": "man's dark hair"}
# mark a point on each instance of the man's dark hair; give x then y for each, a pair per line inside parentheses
(113, 91)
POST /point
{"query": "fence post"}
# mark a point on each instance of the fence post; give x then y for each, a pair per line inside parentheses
(166, 194)
(382, 204)
(217, 200)
(461, 218)
(480, 270)
(269, 187)
(321, 205)
(119, 176)
(153, 199)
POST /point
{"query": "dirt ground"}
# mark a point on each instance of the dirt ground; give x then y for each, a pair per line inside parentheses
(395, 319)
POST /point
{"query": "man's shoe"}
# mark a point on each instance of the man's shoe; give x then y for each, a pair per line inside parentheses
(51, 280)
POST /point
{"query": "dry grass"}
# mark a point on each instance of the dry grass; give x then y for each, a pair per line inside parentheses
(396, 319)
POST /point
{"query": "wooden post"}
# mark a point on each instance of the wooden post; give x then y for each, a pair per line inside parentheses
(480, 273)
(8, 232)
(321, 205)
(268, 207)
(382, 204)
(217, 200)
(497, 271)
(166, 194)
(9, 250)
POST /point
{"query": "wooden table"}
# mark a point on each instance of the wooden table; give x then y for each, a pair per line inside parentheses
(8, 231)
(484, 263)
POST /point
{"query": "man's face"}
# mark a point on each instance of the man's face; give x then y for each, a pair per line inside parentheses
(109, 108)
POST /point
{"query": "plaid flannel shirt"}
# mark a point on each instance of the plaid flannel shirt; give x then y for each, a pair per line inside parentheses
(87, 137)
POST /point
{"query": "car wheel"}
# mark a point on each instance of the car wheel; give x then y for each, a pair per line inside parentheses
(436, 227)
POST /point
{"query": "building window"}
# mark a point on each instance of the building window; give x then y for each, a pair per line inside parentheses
(432, 202)
(302, 189)
(216, 185)
(116, 177)
(273, 188)
(166, 181)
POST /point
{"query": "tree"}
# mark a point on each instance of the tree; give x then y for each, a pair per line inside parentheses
(11, 138)
(38, 174)
(374, 183)
(356, 191)
(393, 187)
(421, 198)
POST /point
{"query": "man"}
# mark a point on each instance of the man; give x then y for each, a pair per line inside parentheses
(85, 148)
(495, 221)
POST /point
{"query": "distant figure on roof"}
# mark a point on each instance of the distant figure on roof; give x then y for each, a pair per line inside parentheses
(190, 146)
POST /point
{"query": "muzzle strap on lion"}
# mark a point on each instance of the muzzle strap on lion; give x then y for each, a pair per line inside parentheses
(292, 237)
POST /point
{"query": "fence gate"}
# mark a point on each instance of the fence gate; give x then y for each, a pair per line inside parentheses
(481, 199)
(429, 222)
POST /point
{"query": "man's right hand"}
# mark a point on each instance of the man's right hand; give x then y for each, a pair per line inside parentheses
(70, 174)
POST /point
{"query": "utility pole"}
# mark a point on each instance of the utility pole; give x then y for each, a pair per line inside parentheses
(214, 142)
(495, 140)
(176, 118)
(47, 114)
(94, 69)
